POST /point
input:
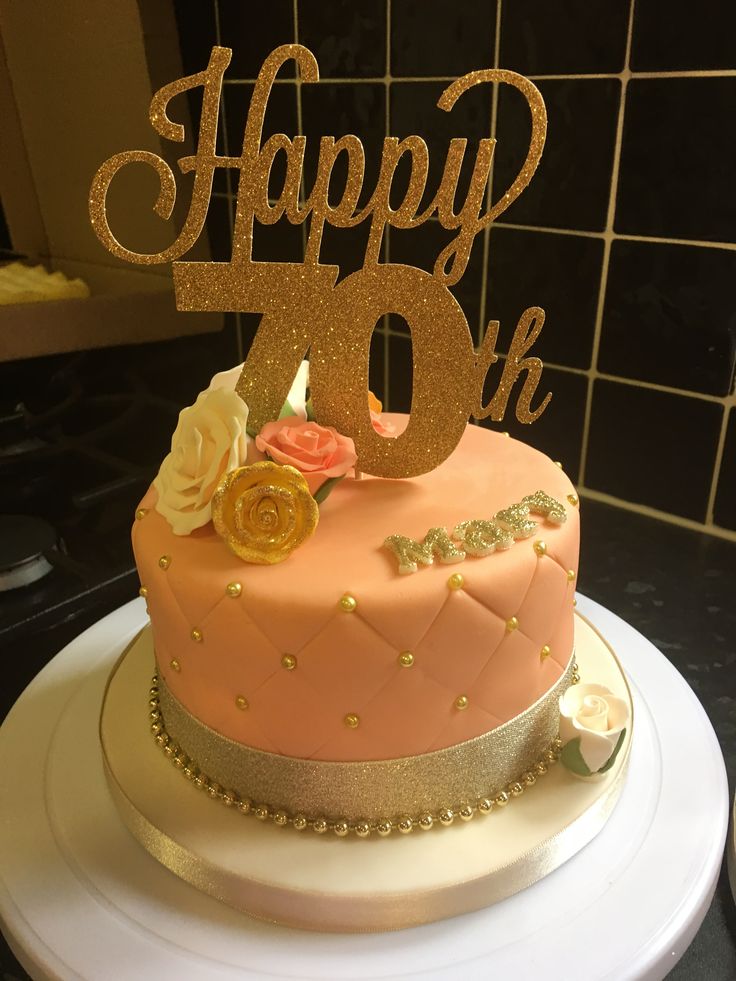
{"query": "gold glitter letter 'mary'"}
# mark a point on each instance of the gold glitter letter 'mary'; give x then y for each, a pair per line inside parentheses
(436, 542)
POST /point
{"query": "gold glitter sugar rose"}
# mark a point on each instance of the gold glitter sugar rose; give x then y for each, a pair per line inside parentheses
(264, 511)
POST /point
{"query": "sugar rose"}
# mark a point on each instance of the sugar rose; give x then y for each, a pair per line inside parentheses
(319, 452)
(593, 725)
(209, 440)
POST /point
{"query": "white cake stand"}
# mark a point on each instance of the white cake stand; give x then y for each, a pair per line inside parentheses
(79, 897)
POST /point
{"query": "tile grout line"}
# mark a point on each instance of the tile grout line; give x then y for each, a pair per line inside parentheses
(717, 462)
(489, 190)
(222, 121)
(387, 110)
(607, 241)
(562, 77)
(618, 236)
(649, 512)
(297, 81)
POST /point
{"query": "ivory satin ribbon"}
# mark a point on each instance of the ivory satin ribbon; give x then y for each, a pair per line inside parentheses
(369, 913)
(374, 790)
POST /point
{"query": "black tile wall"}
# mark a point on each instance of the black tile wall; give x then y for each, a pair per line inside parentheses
(668, 319)
(572, 185)
(653, 448)
(253, 33)
(348, 39)
(561, 274)
(433, 37)
(197, 28)
(335, 109)
(669, 316)
(725, 505)
(584, 36)
(558, 432)
(672, 34)
(676, 177)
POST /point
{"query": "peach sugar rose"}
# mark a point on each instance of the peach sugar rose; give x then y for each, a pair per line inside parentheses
(319, 452)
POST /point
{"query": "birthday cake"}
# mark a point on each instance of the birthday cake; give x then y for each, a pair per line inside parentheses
(361, 622)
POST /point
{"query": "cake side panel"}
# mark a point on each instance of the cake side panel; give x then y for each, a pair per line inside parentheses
(278, 664)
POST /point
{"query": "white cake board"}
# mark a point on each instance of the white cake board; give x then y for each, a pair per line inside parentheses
(349, 885)
(79, 898)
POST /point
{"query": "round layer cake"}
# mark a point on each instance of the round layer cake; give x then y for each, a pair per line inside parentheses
(332, 655)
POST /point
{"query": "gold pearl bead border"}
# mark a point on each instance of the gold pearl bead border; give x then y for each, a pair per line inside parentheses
(362, 829)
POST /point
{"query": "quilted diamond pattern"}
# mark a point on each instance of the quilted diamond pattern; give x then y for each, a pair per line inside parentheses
(459, 642)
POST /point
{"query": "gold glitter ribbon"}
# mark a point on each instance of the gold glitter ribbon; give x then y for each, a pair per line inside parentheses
(372, 790)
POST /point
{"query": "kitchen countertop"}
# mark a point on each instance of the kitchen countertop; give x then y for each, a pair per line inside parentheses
(677, 587)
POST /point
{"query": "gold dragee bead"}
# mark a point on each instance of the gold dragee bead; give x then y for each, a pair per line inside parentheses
(540, 768)
(341, 828)
(261, 812)
(241, 702)
(446, 816)
(426, 821)
(549, 756)
(196, 635)
(528, 779)
(299, 822)
(156, 728)
(573, 499)
(320, 826)
(511, 624)
(545, 652)
(245, 806)
(502, 799)
(140, 514)
(348, 603)
(507, 435)
(175, 666)
(229, 799)
(574, 602)
(405, 825)
(485, 805)
(384, 828)
(362, 829)
(516, 789)
(281, 818)
(233, 589)
(154, 715)
(214, 790)
(143, 592)
(164, 562)
(456, 580)
(188, 773)
(461, 702)
(466, 812)
(557, 744)
(540, 548)
(288, 661)
(570, 575)
(406, 659)
(352, 721)
(200, 781)
(558, 463)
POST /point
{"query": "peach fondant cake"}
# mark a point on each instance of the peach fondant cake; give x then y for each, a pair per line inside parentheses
(403, 663)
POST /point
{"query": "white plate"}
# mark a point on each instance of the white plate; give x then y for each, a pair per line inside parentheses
(625, 907)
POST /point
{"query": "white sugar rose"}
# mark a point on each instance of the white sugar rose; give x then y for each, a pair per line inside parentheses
(593, 724)
(297, 397)
(209, 440)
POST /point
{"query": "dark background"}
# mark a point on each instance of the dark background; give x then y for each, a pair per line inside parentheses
(626, 236)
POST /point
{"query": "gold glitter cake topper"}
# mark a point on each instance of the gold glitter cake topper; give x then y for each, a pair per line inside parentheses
(303, 310)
